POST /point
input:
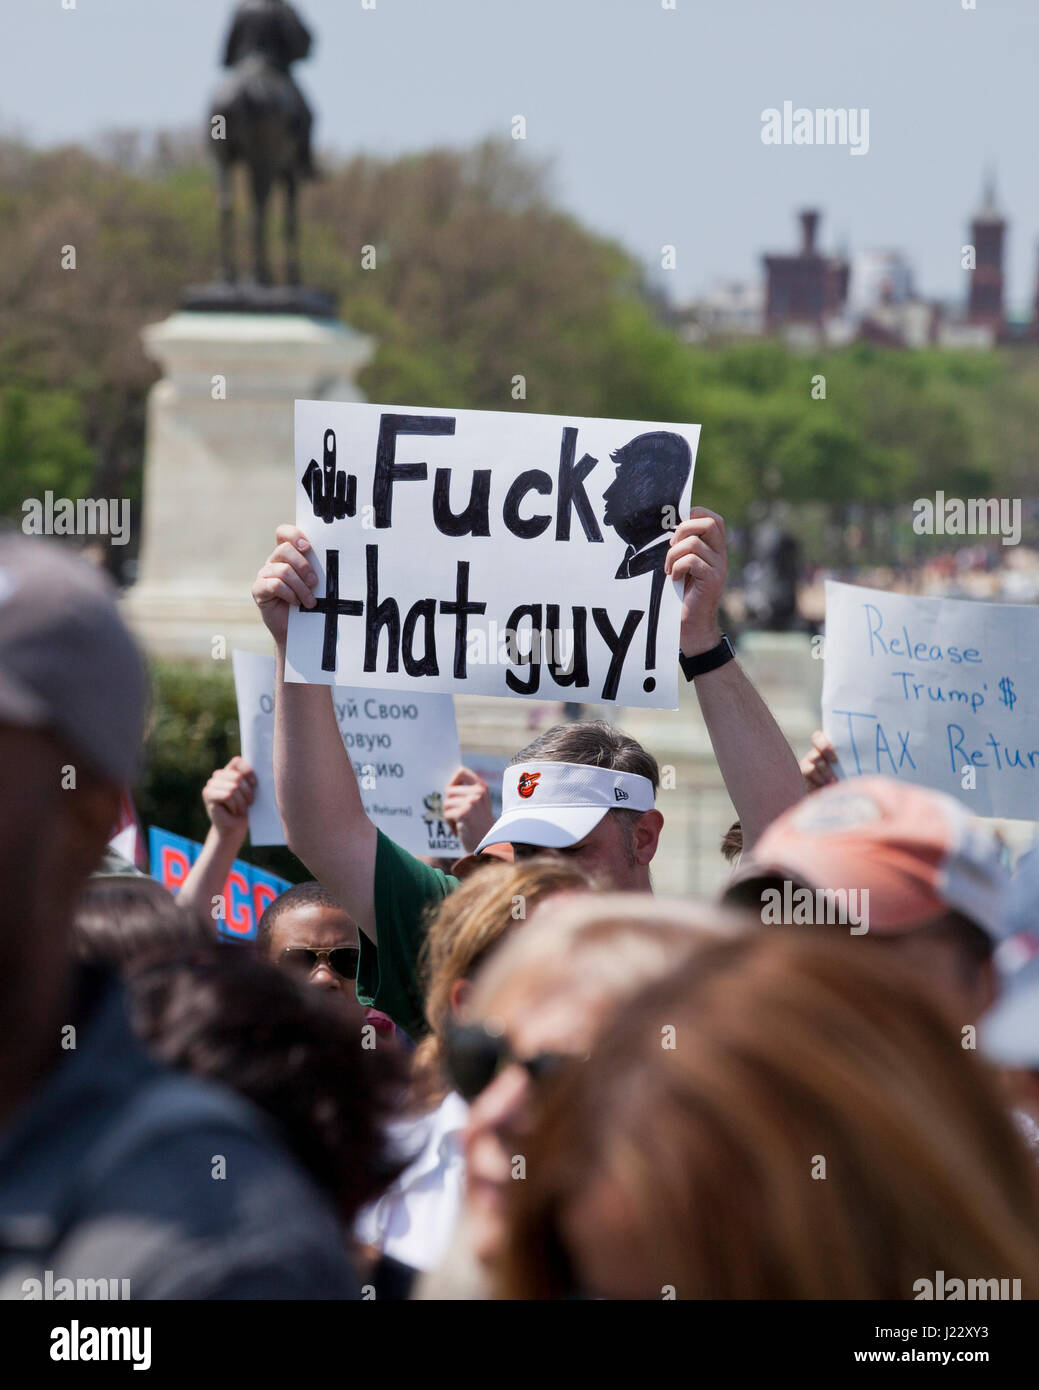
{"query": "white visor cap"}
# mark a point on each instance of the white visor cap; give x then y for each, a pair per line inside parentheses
(555, 805)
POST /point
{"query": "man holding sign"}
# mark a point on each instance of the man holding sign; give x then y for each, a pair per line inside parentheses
(595, 800)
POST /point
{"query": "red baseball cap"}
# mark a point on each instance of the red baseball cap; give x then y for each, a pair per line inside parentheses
(919, 853)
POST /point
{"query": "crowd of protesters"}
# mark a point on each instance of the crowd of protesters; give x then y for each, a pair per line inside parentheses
(521, 1076)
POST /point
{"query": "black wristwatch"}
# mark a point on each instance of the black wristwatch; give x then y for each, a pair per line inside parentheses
(693, 666)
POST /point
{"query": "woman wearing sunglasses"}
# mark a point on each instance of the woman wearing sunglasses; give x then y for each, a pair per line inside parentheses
(785, 1116)
(414, 1221)
(531, 1019)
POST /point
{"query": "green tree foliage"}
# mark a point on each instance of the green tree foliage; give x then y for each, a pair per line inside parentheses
(192, 730)
(479, 279)
(42, 446)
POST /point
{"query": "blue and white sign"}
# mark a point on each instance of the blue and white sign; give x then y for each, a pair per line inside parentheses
(939, 692)
(247, 892)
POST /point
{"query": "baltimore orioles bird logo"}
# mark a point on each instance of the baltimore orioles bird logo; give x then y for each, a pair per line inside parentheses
(527, 782)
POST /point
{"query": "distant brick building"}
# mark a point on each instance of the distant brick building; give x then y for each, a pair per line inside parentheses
(987, 232)
(807, 288)
(809, 298)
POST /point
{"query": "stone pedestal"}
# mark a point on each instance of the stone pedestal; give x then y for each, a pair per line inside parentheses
(218, 471)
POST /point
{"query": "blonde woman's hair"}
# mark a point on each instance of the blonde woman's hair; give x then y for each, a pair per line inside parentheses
(786, 1115)
(608, 945)
(466, 928)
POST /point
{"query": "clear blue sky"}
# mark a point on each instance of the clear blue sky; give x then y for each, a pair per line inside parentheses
(652, 117)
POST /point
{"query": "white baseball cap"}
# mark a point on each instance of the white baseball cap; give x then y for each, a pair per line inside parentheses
(554, 805)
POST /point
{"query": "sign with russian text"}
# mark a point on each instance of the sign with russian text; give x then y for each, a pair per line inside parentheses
(404, 750)
(247, 892)
(939, 692)
(490, 553)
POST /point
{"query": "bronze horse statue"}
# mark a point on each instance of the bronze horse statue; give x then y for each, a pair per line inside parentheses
(260, 118)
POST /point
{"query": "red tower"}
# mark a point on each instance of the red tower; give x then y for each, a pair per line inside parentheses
(987, 230)
(807, 287)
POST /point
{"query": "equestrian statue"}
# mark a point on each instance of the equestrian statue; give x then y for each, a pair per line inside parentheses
(260, 118)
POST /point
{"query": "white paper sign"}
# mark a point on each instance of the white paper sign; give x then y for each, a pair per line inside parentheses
(404, 751)
(490, 553)
(939, 692)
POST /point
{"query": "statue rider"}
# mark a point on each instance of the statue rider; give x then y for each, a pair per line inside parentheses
(272, 32)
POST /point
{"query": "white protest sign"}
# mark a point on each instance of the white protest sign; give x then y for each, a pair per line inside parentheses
(490, 553)
(404, 751)
(939, 692)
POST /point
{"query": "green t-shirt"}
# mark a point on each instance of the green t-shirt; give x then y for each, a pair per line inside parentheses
(387, 975)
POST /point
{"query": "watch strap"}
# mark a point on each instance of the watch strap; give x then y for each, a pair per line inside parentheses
(699, 665)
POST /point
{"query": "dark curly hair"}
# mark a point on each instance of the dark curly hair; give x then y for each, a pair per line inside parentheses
(226, 1015)
(120, 921)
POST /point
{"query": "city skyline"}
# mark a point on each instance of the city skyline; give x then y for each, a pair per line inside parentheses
(653, 141)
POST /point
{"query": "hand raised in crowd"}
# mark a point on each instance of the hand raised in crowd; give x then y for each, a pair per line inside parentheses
(467, 807)
(819, 765)
(287, 578)
(228, 795)
(698, 555)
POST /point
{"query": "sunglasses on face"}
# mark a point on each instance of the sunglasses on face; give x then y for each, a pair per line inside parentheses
(474, 1056)
(342, 959)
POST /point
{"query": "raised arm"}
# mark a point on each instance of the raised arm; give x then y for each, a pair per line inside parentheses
(820, 766)
(757, 764)
(227, 797)
(318, 796)
(467, 807)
